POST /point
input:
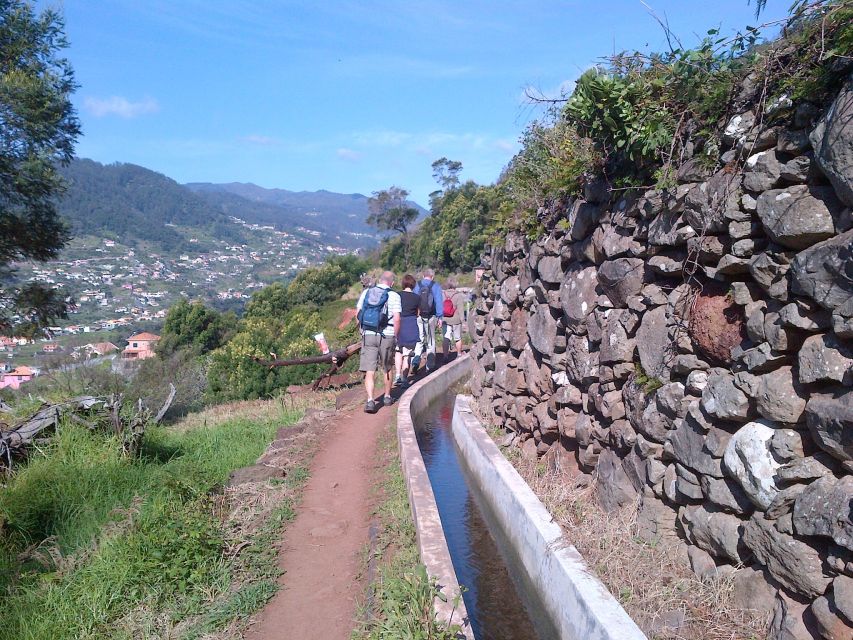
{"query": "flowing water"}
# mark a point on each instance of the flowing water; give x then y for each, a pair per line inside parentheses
(482, 560)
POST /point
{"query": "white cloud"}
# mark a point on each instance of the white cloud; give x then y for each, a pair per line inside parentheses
(505, 145)
(390, 65)
(420, 141)
(260, 140)
(382, 138)
(349, 154)
(120, 106)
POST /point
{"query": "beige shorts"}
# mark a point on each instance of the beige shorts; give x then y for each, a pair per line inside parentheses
(405, 351)
(453, 332)
(377, 351)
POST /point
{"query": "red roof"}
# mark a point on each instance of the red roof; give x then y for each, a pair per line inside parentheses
(20, 371)
(143, 337)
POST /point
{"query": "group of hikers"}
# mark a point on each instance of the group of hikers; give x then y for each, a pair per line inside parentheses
(399, 329)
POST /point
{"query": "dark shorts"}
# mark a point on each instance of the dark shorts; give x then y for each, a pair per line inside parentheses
(377, 351)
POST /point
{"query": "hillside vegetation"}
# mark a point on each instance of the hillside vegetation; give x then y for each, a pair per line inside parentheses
(630, 124)
(96, 544)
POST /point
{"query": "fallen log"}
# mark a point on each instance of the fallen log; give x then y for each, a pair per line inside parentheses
(45, 418)
(108, 414)
(335, 358)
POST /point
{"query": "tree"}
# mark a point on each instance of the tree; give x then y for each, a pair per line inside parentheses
(272, 301)
(194, 326)
(389, 211)
(446, 173)
(38, 129)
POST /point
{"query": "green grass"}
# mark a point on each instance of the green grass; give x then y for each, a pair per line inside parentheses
(89, 536)
(650, 384)
(401, 593)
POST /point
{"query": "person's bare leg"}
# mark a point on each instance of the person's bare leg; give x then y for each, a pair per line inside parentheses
(388, 382)
(368, 384)
(458, 347)
(398, 364)
(445, 345)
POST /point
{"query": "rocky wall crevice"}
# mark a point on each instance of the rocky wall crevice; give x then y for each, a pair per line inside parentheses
(692, 350)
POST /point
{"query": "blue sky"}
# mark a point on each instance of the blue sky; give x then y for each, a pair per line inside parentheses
(339, 95)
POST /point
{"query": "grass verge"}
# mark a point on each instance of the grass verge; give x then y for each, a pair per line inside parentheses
(650, 580)
(94, 544)
(400, 595)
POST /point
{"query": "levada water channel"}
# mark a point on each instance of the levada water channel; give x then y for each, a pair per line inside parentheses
(501, 606)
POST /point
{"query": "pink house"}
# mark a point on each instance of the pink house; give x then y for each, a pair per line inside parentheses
(16, 377)
(140, 346)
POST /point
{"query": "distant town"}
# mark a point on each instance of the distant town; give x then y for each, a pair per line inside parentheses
(117, 291)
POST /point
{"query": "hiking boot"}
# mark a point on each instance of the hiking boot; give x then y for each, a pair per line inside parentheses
(388, 401)
(398, 381)
(370, 407)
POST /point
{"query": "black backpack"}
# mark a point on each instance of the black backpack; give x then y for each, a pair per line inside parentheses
(373, 315)
(427, 304)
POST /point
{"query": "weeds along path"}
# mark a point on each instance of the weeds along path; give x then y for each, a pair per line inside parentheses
(320, 550)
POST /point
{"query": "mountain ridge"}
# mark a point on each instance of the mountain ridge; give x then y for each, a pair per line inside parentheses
(331, 207)
(133, 204)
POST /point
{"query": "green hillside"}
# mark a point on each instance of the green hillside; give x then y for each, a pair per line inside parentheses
(133, 205)
(129, 203)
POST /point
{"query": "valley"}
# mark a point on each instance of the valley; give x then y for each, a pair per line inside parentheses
(141, 241)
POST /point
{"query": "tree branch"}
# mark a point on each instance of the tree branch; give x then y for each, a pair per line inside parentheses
(334, 358)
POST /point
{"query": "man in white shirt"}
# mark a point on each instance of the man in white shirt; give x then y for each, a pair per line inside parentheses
(379, 311)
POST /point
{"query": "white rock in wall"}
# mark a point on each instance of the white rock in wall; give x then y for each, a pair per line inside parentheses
(748, 460)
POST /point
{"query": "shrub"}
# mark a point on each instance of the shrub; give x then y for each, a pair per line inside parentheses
(194, 326)
(234, 375)
(626, 122)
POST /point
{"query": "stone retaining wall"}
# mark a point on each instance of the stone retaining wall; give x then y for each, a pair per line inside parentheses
(693, 350)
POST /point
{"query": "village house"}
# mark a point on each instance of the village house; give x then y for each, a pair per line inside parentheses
(16, 377)
(100, 349)
(140, 346)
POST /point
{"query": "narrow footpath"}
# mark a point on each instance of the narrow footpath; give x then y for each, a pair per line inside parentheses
(321, 549)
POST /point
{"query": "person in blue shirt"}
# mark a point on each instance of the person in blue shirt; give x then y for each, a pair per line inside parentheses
(431, 314)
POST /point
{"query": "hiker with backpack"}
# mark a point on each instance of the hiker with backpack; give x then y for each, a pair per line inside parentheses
(453, 310)
(431, 313)
(379, 319)
(409, 336)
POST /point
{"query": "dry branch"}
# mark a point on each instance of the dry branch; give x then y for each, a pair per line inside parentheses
(335, 358)
(166, 405)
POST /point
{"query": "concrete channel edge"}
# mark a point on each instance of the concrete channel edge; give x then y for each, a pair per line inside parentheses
(579, 605)
(432, 544)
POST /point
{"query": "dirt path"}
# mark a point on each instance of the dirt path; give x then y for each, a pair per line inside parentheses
(321, 548)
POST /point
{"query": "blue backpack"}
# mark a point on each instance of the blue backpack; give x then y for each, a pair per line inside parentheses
(373, 315)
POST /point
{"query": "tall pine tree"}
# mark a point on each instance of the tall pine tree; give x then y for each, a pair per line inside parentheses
(38, 129)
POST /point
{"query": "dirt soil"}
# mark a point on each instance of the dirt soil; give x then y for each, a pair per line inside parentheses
(321, 549)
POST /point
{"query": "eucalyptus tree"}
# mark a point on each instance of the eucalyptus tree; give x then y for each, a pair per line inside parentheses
(390, 211)
(38, 129)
